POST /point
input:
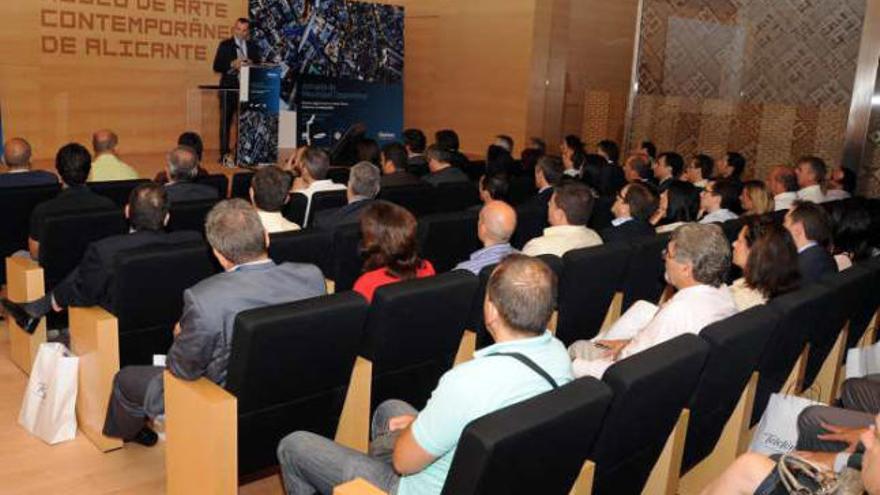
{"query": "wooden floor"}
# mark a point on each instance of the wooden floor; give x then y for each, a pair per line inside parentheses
(29, 466)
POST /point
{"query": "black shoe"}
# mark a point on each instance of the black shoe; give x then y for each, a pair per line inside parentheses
(146, 437)
(25, 320)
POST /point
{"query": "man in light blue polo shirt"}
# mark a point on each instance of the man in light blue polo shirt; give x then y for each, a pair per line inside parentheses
(411, 451)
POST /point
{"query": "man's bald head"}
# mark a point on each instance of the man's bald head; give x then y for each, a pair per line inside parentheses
(497, 223)
(104, 141)
(17, 153)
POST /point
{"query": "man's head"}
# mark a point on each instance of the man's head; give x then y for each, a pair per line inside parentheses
(609, 150)
(504, 141)
(808, 222)
(363, 181)
(520, 297)
(571, 204)
(241, 29)
(183, 164)
(497, 223)
(648, 149)
(414, 140)
(731, 166)
(194, 141)
(699, 168)
(147, 207)
(104, 141)
(720, 194)
(782, 179)
(842, 178)
(235, 233)
(269, 188)
(636, 168)
(810, 171)
(17, 154)
(697, 254)
(315, 164)
(538, 144)
(446, 139)
(438, 157)
(494, 187)
(73, 163)
(368, 151)
(668, 165)
(548, 171)
(393, 158)
(636, 201)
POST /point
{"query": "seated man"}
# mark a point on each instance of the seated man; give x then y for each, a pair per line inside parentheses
(17, 156)
(718, 201)
(73, 163)
(632, 210)
(203, 338)
(412, 451)
(107, 165)
(697, 259)
(841, 184)
(394, 162)
(269, 189)
(548, 173)
(494, 228)
(414, 141)
(494, 187)
(637, 169)
(310, 167)
(91, 282)
(668, 167)
(363, 186)
(440, 165)
(447, 139)
(783, 184)
(810, 229)
(836, 429)
(183, 168)
(569, 211)
(194, 141)
(810, 172)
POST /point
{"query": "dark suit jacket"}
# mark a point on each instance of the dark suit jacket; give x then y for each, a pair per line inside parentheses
(91, 282)
(189, 191)
(226, 54)
(446, 176)
(814, 263)
(663, 186)
(344, 215)
(417, 165)
(632, 230)
(30, 178)
(540, 200)
(399, 179)
(458, 160)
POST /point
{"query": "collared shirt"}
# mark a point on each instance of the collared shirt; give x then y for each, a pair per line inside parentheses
(806, 246)
(783, 201)
(274, 222)
(108, 167)
(811, 193)
(250, 263)
(836, 195)
(702, 183)
(561, 239)
(689, 311)
(241, 48)
(485, 257)
(617, 222)
(572, 172)
(719, 215)
(318, 186)
(474, 389)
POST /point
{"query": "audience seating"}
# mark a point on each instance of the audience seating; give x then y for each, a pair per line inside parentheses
(217, 181)
(858, 299)
(295, 209)
(530, 223)
(732, 227)
(190, 215)
(117, 190)
(455, 196)
(601, 217)
(475, 321)
(644, 276)
(521, 189)
(25, 283)
(16, 203)
(241, 185)
(347, 263)
(339, 175)
(417, 198)
(326, 200)
(448, 238)
(302, 246)
(827, 340)
(65, 237)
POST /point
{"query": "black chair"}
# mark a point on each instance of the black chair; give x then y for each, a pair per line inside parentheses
(833, 313)
(302, 246)
(64, 238)
(521, 189)
(650, 390)
(413, 331)
(417, 198)
(326, 200)
(445, 239)
(190, 215)
(217, 181)
(241, 185)
(530, 223)
(475, 169)
(148, 295)
(16, 203)
(535, 446)
(295, 208)
(475, 322)
(339, 175)
(601, 217)
(117, 190)
(590, 277)
(857, 299)
(735, 344)
(732, 227)
(289, 369)
(455, 196)
(644, 277)
(346, 263)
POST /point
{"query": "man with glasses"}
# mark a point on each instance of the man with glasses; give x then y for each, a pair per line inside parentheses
(632, 209)
(719, 201)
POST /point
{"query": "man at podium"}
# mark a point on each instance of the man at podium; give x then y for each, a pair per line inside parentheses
(231, 55)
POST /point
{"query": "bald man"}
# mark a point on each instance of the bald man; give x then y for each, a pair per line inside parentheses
(782, 182)
(17, 156)
(496, 225)
(107, 166)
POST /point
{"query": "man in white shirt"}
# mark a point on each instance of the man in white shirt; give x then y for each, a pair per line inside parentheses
(312, 168)
(810, 173)
(782, 182)
(718, 200)
(697, 259)
(269, 189)
(568, 213)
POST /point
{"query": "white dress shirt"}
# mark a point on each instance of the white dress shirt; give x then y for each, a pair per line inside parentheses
(783, 201)
(811, 193)
(318, 186)
(719, 215)
(561, 239)
(274, 222)
(836, 195)
(688, 311)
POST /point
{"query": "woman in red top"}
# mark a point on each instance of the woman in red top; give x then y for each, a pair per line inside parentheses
(389, 241)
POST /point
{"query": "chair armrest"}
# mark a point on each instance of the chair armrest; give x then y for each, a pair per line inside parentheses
(466, 347)
(583, 485)
(201, 430)
(353, 429)
(358, 486)
(24, 283)
(94, 338)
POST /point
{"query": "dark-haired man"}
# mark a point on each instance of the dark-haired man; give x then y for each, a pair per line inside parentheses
(414, 141)
(447, 139)
(632, 209)
(810, 229)
(91, 282)
(394, 167)
(569, 211)
(440, 164)
(718, 201)
(667, 168)
(203, 338)
(548, 172)
(269, 193)
(231, 55)
(412, 450)
(810, 172)
(17, 156)
(731, 167)
(312, 168)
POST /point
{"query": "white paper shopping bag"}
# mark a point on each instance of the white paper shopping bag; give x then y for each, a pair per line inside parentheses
(48, 410)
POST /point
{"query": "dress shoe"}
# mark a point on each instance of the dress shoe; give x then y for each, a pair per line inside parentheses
(25, 320)
(146, 437)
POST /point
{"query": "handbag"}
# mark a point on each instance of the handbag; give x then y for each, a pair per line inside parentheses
(48, 409)
(777, 431)
(862, 361)
(800, 476)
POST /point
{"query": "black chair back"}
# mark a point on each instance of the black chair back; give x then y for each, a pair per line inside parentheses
(834, 312)
(455, 196)
(650, 390)
(413, 331)
(475, 321)
(241, 185)
(521, 189)
(16, 203)
(417, 198)
(302, 246)
(65, 237)
(289, 368)
(590, 277)
(644, 277)
(535, 446)
(853, 292)
(531, 220)
(339, 175)
(601, 217)
(326, 200)
(346, 264)
(447, 239)
(190, 215)
(732, 227)
(116, 190)
(218, 181)
(295, 209)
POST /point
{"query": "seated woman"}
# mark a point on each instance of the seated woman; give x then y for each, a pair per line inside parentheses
(389, 245)
(679, 204)
(755, 198)
(851, 231)
(573, 155)
(767, 256)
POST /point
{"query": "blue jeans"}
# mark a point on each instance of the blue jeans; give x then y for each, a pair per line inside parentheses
(313, 464)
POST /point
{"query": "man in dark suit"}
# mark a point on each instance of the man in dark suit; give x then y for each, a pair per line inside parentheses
(231, 54)
(442, 171)
(448, 140)
(91, 282)
(415, 142)
(203, 338)
(633, 207)
(394, 162)
(667, 168)
(532, 214)
(17, 156)
(363, 186)
(183, 167)
(811, 230)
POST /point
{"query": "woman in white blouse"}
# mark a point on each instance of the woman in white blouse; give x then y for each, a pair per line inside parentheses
(767, 256)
